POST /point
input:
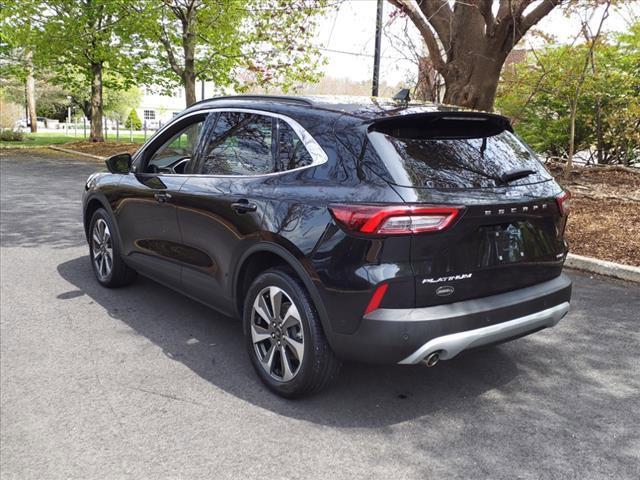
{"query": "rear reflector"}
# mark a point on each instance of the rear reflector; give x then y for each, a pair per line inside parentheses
(564, 203)
(394, 219)
(376, 298)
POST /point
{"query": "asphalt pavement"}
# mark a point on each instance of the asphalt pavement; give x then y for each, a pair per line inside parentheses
(142, 382)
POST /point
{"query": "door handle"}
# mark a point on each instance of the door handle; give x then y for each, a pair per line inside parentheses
(162, 196)
(243, 206)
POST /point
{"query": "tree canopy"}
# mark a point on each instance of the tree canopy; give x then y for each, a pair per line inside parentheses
(111, 45)
(232, 43)
(537, 95)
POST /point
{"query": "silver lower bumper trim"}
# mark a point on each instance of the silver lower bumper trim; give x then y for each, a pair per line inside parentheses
(451, 345)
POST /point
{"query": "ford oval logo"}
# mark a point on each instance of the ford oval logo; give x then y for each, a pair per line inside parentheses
(445, 291)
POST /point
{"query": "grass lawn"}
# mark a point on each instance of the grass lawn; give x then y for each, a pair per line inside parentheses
(54, 138)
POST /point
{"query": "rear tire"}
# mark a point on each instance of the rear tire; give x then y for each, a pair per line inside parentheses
(284, 336)
(105, 252)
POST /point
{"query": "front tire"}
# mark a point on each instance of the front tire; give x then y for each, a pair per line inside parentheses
(284, 337)
(105, 253)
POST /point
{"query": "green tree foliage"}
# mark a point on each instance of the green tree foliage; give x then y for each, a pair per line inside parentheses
(537, 96)
(51, 99)
(133, 120)
(82, 45)
(17, 44)
(119, 103)
(233, 43)
(17, 37)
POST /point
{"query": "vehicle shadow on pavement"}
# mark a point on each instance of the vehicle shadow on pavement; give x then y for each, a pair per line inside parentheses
(212, 346)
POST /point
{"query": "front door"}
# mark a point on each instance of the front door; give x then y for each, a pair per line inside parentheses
(146, 215)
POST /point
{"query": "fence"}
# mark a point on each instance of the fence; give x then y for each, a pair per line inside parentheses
(112, 129)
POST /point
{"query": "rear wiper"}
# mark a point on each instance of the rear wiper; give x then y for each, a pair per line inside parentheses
(512, 175)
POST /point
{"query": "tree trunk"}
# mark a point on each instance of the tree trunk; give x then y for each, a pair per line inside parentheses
(599, 135)
(189, 50)
(189, 83)
(468, 41)
(427, 85)
(30, 89)
(473, 84)
(96, 103)
(189, 71)
(572, 138)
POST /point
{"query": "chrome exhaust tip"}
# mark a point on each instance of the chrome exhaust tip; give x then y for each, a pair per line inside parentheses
(431, 359)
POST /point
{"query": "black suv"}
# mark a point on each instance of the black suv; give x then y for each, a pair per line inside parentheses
(338, 229)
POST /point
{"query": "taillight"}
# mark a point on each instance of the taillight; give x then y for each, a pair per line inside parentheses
(564, 203)
(394, 219)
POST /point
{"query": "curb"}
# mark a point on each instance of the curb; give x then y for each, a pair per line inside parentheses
(602, 267)
(66, 150)
(20, 147)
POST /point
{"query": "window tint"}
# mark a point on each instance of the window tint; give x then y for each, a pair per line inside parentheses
(175, 154)
(460, 162)
(240, 144)
(291, 151)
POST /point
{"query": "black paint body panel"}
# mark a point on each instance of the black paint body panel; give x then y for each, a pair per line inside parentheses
(195, 241)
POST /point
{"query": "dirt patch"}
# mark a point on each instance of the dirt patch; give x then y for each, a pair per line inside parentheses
(604, 222)
(103, 149)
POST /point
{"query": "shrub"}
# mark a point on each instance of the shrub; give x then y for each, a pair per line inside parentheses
(11, 136)
(133, 121)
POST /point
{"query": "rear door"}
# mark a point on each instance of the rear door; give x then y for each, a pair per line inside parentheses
(221, 207)
(509, 233)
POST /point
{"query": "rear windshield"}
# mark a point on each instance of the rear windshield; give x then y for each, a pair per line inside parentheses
(456, 154)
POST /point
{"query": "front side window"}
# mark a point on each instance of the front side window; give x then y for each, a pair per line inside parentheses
(239, 144)
(175, 154)
(292, 153)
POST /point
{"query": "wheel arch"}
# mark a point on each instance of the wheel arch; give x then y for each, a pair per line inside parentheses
(267, 255)
(92, 204)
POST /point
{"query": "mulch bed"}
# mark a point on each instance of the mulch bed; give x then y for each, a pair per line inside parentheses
(604, 222)
(102, 149)
(605, 229)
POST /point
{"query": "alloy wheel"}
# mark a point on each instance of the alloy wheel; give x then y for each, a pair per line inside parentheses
(102, 248)
(277, 335)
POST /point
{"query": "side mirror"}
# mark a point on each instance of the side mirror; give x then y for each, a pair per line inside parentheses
(120, 163)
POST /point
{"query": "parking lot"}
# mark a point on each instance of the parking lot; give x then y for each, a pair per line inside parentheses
(141, 382)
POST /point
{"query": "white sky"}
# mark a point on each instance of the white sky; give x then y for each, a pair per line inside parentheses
(352, 29)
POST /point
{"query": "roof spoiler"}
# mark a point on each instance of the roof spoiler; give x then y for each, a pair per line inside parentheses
(442, 125)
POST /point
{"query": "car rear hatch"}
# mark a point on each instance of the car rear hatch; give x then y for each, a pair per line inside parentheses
(508, 232)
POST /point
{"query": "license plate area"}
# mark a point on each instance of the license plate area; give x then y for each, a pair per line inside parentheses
(513, 242)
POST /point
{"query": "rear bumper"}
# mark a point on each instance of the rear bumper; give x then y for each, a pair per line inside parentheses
(407, 336)
(451, 345)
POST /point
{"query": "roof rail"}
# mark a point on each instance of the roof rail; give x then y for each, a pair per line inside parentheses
(269, 98)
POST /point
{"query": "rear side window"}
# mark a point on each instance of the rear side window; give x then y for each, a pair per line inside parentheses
(239, 144)
(456, 153)
(292, 152)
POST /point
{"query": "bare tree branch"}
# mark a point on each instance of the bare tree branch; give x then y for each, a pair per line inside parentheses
(535, 16)
(439, 14)
(411, 9)
(487, 14)
(173, 61)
